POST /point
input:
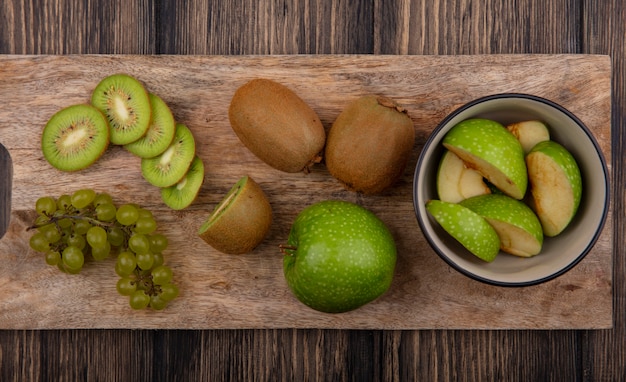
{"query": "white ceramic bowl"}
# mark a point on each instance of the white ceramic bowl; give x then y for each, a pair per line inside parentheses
(559, 254)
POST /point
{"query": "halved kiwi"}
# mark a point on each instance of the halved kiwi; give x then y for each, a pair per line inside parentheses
(183, 193)
(75, 137)
(170, 167)
(125, 103)
(160, 133)
(240, 221)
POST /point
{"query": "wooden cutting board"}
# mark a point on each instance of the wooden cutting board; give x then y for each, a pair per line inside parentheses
(249, 291)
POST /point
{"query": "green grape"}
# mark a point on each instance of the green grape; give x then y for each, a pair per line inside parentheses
(65, 223)
(81, 226)
(116, 236)
(127, 214)
(139, 243)
(158, 242)
(161, 275)
(106, 212)
(77, 240)
(145, 260)
(53, 257)
(139, 300)
(145, 225)
(45, 205)
(39, 243)
(83, 198)
(64, 202)
(96, 237)
(144, 213)
(127, 262)
(41, 221)
(157, 303)
(51, 232)
(126, 286)
(102, 198)
(158, 259)
(73, 258)
(61, 267)
(102, 252)
(119, 272)
(169, 292)
(70, 270)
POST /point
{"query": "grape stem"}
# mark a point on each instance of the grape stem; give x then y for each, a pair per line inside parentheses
(146, 279)
(54, 219)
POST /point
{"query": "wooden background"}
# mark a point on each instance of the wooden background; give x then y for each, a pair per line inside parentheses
(326, 27)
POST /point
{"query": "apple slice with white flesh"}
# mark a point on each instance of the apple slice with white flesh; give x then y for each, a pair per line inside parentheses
(467, 227)
(489, 148)
(555, 185)
(456, 181)
(529, 133)
(517, 225)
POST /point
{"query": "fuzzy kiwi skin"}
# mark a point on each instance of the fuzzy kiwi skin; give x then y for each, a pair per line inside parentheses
(369, 144)
(241, 221)
(276, 125)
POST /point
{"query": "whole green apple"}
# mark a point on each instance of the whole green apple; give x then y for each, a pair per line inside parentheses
(339, 256)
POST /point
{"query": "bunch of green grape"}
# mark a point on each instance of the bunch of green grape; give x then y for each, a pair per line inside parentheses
(86, 223)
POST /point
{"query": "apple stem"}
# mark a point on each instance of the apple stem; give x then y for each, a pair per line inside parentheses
(286, 249)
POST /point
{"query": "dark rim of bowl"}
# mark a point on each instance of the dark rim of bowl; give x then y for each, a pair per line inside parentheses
(592, 139)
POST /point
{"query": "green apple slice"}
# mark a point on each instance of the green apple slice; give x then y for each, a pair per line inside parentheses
(467, 227)
(555, 185)
(456, 181)
(515, 223)
(529, 133)
(489, 148)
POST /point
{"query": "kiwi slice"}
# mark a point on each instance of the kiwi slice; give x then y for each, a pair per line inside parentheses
(125, 103)
(240, 221)
(75, 137)
(170, 167)
(160, 133)
(183, 193)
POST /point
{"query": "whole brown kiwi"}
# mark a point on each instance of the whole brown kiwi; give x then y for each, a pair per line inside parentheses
(276, 125)
(369, 144)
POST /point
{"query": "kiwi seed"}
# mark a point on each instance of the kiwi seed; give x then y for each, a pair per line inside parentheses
(75, 137)
(125, 103)
(170, 167)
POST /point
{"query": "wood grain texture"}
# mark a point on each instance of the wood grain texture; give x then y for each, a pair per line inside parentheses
(266, 27)
(470, 27)
(249, 291)
(604, 352)
(581, 26)
(76, 26)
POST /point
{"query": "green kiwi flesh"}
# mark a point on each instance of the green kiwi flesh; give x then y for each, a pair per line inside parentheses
(240, 221)
(75, 137)
(125, 103)
(160, 133)
(170, 167)
(183, 193)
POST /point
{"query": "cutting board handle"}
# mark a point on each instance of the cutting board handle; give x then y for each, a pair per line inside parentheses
(6, 180)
